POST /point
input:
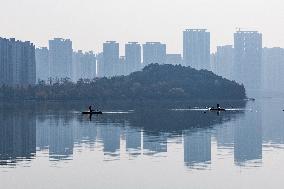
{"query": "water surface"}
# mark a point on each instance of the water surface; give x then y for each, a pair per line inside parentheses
(138, 146)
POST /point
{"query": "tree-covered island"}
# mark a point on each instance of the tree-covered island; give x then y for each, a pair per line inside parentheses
(154, 82)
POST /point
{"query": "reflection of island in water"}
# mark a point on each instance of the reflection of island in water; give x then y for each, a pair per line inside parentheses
(145, 131)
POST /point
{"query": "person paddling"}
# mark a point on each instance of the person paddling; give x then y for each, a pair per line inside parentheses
(90, 109)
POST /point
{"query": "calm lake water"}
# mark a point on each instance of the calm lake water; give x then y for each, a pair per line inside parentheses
(52, 145)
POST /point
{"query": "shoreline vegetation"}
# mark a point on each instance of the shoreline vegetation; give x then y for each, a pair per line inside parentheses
(154, 83)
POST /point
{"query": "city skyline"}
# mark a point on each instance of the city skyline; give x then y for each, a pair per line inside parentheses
(213, 48)
(240, 61)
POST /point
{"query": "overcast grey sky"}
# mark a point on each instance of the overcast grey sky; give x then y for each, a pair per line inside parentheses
(91, 22)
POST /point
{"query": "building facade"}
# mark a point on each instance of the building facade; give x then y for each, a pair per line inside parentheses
(224, 60)
(100, 64)
(174, 59)
(110, 59)
(84, 65)
(132, 57)
(17, 63)
(273, 69)
(248, 60)
(196, 48)
(60, 58)
(42, 63)
(122, 67)
(154, 52)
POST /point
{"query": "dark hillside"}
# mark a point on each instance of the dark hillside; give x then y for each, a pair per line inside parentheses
(154, 82)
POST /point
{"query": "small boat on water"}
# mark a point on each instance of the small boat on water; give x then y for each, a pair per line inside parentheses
(219, 109)
(92, 112)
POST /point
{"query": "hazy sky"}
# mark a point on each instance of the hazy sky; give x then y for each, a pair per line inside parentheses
(91, 22)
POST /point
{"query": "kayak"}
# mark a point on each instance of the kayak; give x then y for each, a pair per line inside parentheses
(217, 109)
(93, 112)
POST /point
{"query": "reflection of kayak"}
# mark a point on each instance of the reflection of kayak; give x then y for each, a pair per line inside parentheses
(217, 109)
(93, 112)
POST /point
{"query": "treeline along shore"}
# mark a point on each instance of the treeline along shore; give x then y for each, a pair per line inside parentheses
(154, 82)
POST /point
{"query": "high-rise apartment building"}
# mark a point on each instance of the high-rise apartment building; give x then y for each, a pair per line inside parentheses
(154, 52)
(248, 60)
(196, 48)
(273, 69)
(100, 64)
(121, 68)
(60, 58)
(89, 66)
(110, 58)
(42, 63)
(84, 65)
(17, 63)
(224, 59)
(132, 57)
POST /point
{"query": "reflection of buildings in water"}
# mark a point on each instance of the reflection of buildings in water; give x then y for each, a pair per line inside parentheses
(57, 136)
(110, 137)
(133, 140)
(85, 133)
(42, 133)
(197, 147)
(225, 135)
(248, 137)
(154, 143)
(273, 127)
(61, 140)
(17, 137)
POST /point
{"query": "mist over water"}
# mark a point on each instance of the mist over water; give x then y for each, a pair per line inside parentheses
(142, 63)
(45, 143)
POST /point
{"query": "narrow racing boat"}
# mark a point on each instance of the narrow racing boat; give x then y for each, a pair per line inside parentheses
(219, 109)
(92, 112)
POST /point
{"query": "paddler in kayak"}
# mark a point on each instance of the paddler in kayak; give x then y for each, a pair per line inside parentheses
(90, 109)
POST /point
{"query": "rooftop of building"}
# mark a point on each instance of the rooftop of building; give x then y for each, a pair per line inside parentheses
(110, 42)
(196, 30)
(133, 43)
(154, 43)
(248, 32)
(60, 39)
